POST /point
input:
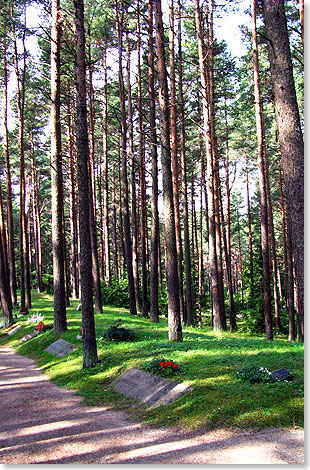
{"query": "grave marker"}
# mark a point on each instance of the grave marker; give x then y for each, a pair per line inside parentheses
(60, 348)
(16, 328)
(149, 389)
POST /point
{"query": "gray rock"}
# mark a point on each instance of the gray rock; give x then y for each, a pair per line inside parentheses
(60, 348)
(29, 336)
(149, 389)
(16, 328)
(280, 374)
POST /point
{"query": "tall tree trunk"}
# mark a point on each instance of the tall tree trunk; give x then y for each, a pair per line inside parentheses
(132, 160)
(174, 156)
(10, 220)
(126, 220)
(262, 184)
(24, 254)
(288, 268)
(60, 320)
(154, 311)
(187, 258)
(37, 217)
(227, 240)
(218, 314)
(92, 196)
(107, 274)
(5, 292)
(290, 137)
(249, 228)
(114, 229)
(174, 319)
(73, 209)
(216, 177)
(145, 302)
(273, 246)
(90, 356)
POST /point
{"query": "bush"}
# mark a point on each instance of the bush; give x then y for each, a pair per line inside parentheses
(116, 293)
(162, 367)
(118, 333)
(48, 283)
(255, 374)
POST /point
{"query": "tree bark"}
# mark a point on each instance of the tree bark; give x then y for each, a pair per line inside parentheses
(154, 311)
(288, 268)
(37, 217)
(90, 356)
(174, 319)
(262, 184)
(218, 314)
(216, 177)
(106, 248)
(145, 302)
(227, 240)
(273, 246)
(126, 221)
(174, 156)
(74, 265)
(10, 220)
(60, 320)
(187, 257)
(290, 137)
(23, 238)
(132, 160)
(250, 228)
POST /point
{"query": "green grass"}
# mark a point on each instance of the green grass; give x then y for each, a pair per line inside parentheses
(207, 361)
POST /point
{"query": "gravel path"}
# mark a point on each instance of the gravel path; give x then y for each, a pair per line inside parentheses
(41, 423)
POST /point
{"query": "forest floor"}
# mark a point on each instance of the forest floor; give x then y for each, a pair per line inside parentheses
(42, 423)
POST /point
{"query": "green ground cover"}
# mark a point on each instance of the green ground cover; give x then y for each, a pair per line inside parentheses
(207, 361)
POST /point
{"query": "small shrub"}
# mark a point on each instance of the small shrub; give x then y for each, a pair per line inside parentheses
(119, 333)
(162, 367)
(116, 293)
(48, 281)
(255, 374)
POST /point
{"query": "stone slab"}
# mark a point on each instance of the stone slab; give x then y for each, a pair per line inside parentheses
(60, 348)
(281, 374)
(13, 330)
(147, 388)
(29, 336)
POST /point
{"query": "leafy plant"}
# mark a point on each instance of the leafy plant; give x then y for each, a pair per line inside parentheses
(162, 367)
(119, 333)
(41, 327)
(116, 293)
(255, 374)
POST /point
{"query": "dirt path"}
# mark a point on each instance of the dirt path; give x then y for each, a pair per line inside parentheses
(41, 423)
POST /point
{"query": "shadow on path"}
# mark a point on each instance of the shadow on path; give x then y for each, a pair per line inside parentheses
(42, 423)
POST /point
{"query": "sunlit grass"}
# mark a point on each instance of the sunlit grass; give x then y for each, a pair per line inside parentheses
(208, 361)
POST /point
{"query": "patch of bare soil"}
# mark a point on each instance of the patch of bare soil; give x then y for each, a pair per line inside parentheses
(41, 423)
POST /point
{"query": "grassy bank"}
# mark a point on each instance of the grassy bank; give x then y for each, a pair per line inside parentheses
(207, 361)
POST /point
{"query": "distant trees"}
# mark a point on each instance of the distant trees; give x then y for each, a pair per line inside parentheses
(175, 180)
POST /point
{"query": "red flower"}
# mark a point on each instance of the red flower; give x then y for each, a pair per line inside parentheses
(81, 330)
(174, 366)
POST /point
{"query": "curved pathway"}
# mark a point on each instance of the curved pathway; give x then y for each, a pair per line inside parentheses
(41, 423)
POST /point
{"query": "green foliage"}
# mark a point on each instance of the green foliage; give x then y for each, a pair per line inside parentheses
(116, 293)
(48, 283)
(119, 333)
(255, 374)
(162, 367)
